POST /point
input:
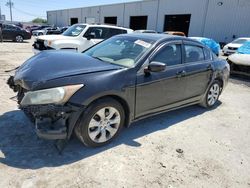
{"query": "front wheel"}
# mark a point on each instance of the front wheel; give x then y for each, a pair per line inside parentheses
(212, 95)
(100, 123)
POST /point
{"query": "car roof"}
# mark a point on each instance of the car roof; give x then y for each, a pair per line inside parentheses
(103, 25)
(247, 38)
(153, 36)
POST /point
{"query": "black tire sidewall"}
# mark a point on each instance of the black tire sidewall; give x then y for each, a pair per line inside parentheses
(81, 129)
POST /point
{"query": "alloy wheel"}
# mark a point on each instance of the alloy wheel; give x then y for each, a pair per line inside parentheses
(19, 38)
(104, 124)
(213, 94)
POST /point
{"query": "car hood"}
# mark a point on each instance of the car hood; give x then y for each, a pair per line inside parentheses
(233, 45)
(240, 59)
(54, 37)
(51, 65)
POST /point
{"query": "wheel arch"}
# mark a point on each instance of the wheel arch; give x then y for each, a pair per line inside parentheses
(19, 35)
(119, 99)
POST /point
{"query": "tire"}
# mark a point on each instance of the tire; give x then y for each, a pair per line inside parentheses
(39, 34)
(101, 122)
(19, 38)
(212, 95)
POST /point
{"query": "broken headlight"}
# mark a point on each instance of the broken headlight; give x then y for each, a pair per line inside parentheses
(58, 95)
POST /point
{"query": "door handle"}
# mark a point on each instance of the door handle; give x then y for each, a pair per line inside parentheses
(181, 73)
(209, 67)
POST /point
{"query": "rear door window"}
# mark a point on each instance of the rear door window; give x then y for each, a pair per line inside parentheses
(193, 53)
(170, 55)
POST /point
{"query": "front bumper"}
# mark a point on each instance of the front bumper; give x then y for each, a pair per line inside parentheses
(35, 51)
(53, 122)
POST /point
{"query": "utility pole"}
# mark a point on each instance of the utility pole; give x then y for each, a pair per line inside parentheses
(10, 5)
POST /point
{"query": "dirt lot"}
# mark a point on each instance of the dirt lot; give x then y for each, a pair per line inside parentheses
(215, 144)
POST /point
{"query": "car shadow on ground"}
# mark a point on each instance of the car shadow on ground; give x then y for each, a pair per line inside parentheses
(240, 79)
(21, 148)
(10, 41)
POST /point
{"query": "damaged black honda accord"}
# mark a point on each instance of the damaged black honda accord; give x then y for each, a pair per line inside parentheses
(120, 80)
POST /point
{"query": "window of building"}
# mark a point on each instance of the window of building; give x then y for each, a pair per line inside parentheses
(110, 20)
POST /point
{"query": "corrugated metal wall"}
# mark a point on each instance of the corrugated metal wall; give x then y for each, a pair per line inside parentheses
(218, 19)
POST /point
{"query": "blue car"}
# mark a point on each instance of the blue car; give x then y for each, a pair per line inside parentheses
(214, 46)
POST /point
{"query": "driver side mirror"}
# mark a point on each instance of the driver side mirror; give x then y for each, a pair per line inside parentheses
(155, 66)
(90, 36)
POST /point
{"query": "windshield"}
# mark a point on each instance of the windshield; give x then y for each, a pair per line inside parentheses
(124, 51)
(239, 41)
(74, 30)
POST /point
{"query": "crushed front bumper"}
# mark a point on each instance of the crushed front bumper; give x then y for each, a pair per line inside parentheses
(54, 122)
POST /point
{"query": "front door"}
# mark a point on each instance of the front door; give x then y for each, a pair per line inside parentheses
(95, 35)
(157, 90)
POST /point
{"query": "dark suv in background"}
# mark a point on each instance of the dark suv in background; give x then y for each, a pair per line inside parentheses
(15, 33)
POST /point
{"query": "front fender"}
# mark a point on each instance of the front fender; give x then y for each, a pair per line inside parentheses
(65, 44)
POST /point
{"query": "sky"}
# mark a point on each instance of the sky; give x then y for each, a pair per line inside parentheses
(27, 10)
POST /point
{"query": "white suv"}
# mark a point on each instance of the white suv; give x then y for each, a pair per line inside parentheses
(78, 37)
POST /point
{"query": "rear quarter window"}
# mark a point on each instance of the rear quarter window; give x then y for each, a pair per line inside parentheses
(207, 54)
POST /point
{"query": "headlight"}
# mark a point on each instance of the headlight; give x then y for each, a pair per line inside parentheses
(45, 43)
(58, 95)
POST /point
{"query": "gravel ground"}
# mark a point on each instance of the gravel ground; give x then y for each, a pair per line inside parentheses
(215, 145)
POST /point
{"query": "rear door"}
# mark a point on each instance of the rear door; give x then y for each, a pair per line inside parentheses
(156, 91)
(198, 61)
(7, 32)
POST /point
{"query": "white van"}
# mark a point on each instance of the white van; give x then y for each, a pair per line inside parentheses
(78, 37)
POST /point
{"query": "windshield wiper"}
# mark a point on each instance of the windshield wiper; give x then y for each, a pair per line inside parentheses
(98, 58)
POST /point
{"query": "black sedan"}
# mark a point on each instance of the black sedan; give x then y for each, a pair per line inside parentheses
(111, 85)
(15, 33)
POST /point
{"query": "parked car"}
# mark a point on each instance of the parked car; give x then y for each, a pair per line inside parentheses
(240, 61)
(145, 31)
(214, 46)
(41, 31)
(64, 28)
(31, 27)
(232, 47)
(114, 83)
(47, 31)
(15, 33)
(178, 33)
(56, 31)
(78, 37)
(39, 27)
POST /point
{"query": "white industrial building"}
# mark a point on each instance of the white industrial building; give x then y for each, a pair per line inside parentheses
(222, 20)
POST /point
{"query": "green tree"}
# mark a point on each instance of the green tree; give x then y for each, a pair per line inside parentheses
(39, 20)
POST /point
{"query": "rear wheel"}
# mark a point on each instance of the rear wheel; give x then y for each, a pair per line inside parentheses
(212, 95)
(19, 38)
(100, 123)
